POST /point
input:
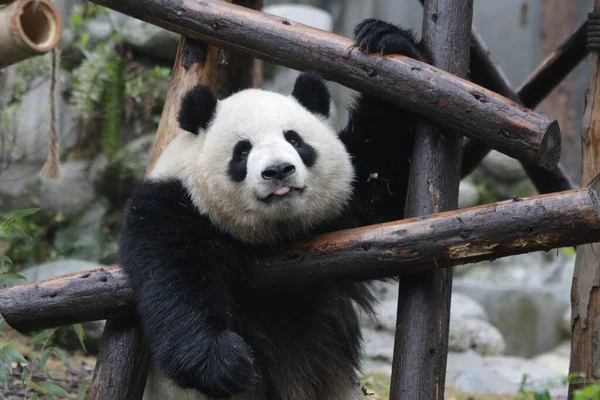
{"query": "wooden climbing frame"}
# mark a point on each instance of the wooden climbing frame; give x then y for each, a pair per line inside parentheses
(420, 249)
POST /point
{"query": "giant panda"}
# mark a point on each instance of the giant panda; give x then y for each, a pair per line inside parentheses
(259, 169)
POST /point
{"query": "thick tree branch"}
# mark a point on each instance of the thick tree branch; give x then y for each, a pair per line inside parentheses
(497, 230)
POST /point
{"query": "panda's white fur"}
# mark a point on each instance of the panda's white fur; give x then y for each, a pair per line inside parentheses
(261, 117)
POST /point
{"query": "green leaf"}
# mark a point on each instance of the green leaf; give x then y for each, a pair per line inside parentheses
(12, 277)
(20, 213)
(541, 395)
(14, 354)
(1, 323)
(44, 358)
(3, 378)
(82, 391)
(5, 260)
(49, 388)
(59, 353)
(25, 374)
(80, 334)
(48, 397)
(42, 336)
(35, 397)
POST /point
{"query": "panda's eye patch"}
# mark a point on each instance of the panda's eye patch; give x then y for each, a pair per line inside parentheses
(241, 151)
(293, 138)
(237, 165)
(307, 153)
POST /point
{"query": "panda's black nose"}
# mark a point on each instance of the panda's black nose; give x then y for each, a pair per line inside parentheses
(279, 172)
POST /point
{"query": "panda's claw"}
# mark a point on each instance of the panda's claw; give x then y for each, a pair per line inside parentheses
(375, 36)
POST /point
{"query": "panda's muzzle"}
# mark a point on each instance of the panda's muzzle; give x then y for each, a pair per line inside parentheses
(278, 171)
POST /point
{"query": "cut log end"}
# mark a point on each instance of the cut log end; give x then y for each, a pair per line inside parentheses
(549, 154)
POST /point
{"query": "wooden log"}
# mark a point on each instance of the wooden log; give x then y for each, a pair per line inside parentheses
(27, 31)
(406, 247)
(122, 363)
(531, 92)
(585, 291)
(421, 346)
(442, 97)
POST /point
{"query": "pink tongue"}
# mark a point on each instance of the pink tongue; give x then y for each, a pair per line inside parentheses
(282, 191)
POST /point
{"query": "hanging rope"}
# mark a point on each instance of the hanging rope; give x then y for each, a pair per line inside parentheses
(51, 169)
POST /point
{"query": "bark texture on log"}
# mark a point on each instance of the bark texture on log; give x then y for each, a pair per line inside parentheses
(122, 364)
(442, 97)
(511, 227)
(423, 318)
(585, 292)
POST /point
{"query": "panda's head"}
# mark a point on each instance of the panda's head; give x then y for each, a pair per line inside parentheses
(263, 166)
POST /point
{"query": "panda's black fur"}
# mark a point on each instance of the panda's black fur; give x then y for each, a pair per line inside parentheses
(204, 328)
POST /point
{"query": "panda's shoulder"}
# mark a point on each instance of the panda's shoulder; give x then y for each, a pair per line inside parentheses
(159, 204)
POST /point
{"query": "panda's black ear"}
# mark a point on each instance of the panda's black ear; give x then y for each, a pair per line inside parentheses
(311, 91)
(197, 109)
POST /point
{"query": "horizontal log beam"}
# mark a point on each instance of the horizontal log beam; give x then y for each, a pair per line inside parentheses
(397, 248)
(421, 88)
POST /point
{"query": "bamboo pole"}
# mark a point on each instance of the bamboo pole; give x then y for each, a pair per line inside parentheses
(437, 95)
(423, 319)
(585, 291)
(27, 30)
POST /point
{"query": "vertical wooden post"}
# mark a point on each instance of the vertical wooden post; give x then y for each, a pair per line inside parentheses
(123, 362)
(420, 350)
(585, 292)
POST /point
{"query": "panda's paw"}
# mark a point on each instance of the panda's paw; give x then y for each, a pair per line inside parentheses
(225, 369)
(376, 36)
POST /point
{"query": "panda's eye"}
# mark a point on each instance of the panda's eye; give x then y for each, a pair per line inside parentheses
(293, 138)
(241, 150)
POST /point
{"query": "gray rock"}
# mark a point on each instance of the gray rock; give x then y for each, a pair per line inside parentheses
(534, 269)
(87, 237)
(469, 382)
(378, 345)
(499, 374)
(468, 196)
(148, 38)
(527, 317)
(464, 307)
(476, 335)
(558, 358)
(69, 195)
(93, 329)
(503, 167)
(116, 178)
(31, 120)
